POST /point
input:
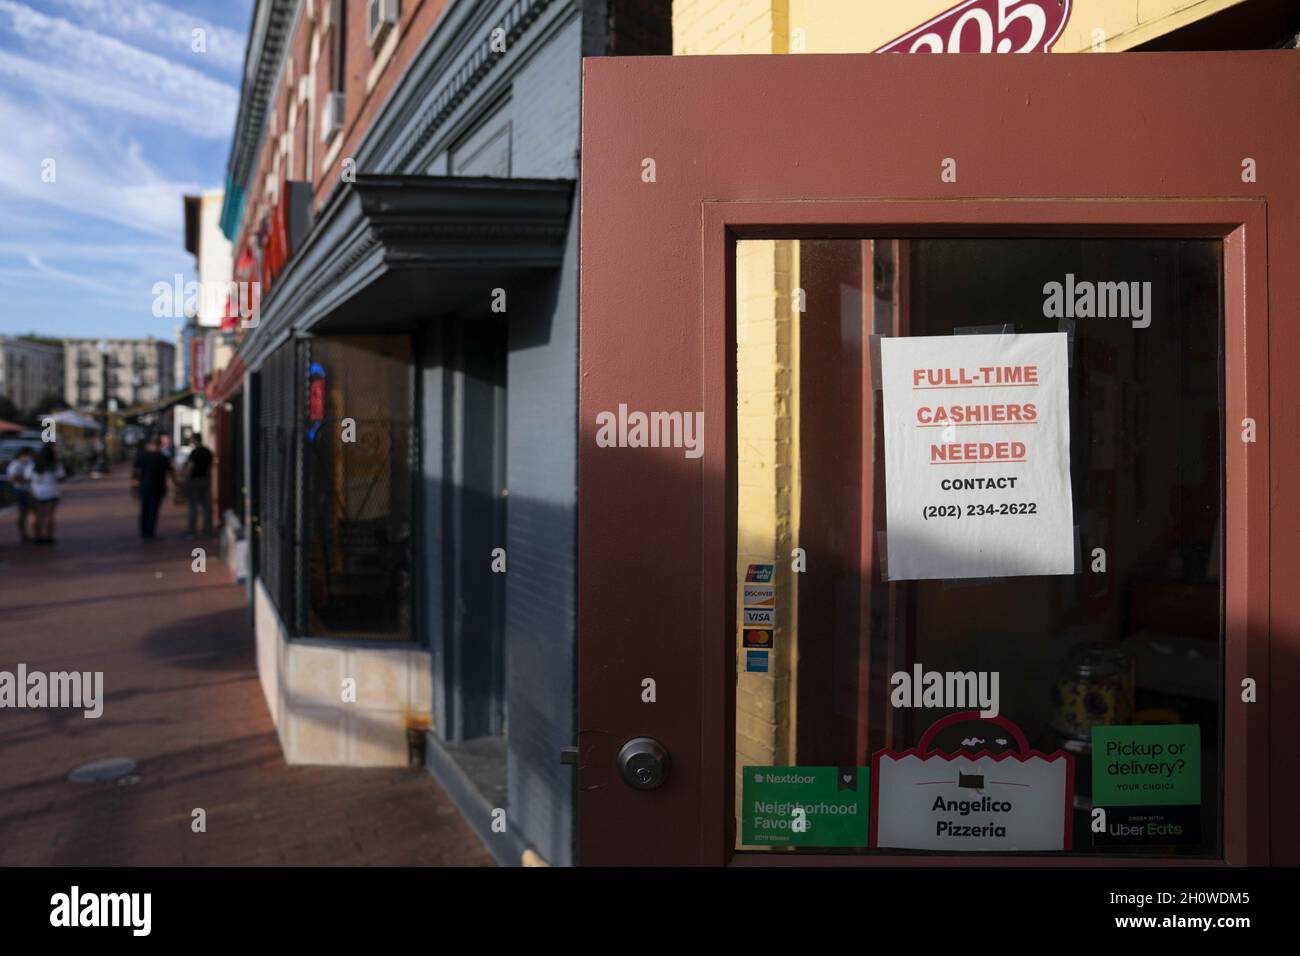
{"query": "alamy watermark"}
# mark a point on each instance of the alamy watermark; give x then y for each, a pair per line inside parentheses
(624, 429)
(75, 908)
(1102, 300)
(181, 299)
(950, 690)
(76, 690)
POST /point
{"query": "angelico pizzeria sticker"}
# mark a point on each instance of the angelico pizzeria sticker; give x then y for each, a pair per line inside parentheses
(977, 456)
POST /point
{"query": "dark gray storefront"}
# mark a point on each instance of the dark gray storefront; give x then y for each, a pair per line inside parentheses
(434, 305)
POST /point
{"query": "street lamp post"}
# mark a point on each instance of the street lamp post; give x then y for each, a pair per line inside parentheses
(109, 403)
(102, 345)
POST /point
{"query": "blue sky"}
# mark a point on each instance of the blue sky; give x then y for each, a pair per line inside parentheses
(134, 118)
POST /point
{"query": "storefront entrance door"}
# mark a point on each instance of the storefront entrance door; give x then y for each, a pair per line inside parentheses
(927, 502)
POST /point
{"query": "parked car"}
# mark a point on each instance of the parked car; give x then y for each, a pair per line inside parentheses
(9, 447)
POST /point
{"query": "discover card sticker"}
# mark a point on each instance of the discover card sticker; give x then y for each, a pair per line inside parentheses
(977, 456)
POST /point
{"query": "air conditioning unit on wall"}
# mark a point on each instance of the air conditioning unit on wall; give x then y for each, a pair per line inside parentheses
(381, 16)
(331, 120)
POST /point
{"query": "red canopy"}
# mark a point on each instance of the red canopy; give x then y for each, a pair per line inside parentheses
(10, 426)
(230, 319)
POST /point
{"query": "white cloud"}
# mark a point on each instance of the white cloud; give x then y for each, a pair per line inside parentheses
(107, 73)
(94, 176)
(84, 251)
(146, 20)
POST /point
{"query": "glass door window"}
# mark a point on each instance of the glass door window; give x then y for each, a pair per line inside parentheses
(978, 583)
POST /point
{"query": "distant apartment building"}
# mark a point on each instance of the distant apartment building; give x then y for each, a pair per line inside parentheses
(30, 372)
(129, 372)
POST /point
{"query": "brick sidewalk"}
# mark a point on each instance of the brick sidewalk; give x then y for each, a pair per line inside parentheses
(182, 699)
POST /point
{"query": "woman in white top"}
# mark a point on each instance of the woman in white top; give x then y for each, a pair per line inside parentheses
(16, 475)
(43, 477)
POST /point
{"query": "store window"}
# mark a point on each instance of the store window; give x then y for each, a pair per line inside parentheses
(979, 525)
(358, 452)
(336, 458)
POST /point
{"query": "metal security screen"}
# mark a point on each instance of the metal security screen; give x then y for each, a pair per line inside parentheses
(280, 387)
(358, 453)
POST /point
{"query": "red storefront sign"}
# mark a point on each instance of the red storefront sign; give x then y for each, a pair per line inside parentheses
(241, 298)
(284, 230)
(198, 363)
(275, 246)
(988, 26)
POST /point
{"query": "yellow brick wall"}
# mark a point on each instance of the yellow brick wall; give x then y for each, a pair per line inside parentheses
(767, 507)
(730, 26)
(767, 335)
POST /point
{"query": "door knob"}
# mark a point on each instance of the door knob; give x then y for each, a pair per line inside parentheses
(643, 762)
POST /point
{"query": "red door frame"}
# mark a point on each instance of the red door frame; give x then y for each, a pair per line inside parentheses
(759, 147)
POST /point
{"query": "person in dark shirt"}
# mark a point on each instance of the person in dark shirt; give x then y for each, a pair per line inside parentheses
(149, 482)
(198, 484)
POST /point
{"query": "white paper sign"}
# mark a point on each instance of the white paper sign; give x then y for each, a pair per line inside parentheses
(977, 456)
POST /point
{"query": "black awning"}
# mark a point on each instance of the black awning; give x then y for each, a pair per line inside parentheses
(154, 408)
(389, 252)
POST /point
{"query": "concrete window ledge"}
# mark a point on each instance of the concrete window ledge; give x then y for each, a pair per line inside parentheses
(302, 681)
(234, 546)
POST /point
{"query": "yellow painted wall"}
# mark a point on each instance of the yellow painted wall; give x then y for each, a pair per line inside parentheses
(860, 26)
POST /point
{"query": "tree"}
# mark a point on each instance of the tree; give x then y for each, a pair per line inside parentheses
(41, 339)
(50, 403)
(9, 411)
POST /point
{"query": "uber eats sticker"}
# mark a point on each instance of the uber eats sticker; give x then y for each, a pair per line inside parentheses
(1148, 780)
(805, 806)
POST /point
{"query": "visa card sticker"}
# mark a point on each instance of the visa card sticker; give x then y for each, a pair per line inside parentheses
(761, 616)
(756, 662)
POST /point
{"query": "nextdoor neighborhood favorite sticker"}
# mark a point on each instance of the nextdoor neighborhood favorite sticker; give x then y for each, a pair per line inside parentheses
(804, 806)
(977, 456)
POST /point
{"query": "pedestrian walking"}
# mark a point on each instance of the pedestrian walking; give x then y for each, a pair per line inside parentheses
(149, 483)
(198, 484)
(43, 478)
(101, 467)
(16, 475)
